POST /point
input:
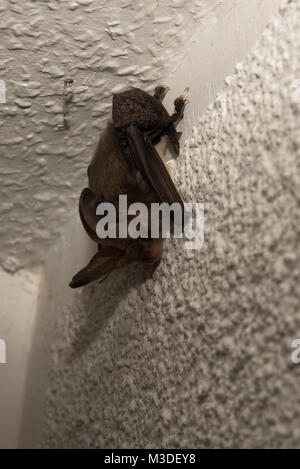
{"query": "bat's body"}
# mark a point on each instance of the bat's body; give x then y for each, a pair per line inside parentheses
(138, 108)
(127, 163)
(109, 172)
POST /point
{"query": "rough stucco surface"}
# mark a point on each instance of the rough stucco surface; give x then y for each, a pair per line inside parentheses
(104, 47)
(199, 353)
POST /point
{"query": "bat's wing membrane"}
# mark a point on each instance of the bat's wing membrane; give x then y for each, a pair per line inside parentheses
(152, 167)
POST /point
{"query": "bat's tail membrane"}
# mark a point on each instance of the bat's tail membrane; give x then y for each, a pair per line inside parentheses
(102, 264)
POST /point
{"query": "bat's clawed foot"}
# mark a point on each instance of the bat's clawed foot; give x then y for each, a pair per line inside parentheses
(160, 92)
(179, 105)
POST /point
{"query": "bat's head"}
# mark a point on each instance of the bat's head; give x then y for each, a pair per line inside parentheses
(117, 252)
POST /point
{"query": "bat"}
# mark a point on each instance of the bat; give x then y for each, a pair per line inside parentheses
(126, 162)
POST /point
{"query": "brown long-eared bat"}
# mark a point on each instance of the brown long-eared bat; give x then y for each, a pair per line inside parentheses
(126, 162)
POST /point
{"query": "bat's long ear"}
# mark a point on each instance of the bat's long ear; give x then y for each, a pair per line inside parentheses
(102, 264)
(87, 209)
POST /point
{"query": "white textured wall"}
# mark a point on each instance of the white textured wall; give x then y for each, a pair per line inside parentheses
(199, 354)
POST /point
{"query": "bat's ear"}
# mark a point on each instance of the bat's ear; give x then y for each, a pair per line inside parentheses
(102, 264)
(87, 209)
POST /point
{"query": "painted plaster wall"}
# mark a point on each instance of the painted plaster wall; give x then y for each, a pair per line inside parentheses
(43, 165)
(199, 353)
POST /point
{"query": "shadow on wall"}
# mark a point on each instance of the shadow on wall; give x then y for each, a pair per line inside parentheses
(98, 304)
(93, 306)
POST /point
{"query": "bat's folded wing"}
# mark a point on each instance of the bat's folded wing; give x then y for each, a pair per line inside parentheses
(152, 167)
